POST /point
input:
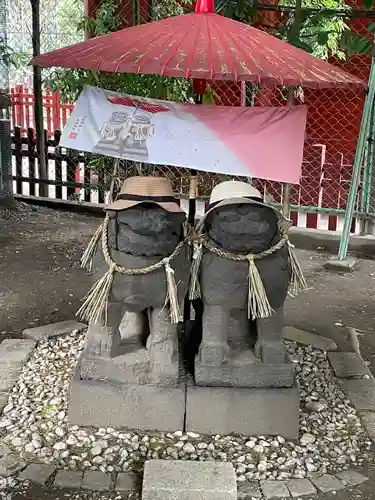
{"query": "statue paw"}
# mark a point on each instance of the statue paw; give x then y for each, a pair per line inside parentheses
(164, 363)
(214, 354)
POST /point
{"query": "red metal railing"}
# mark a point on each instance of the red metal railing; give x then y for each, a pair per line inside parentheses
(56, 113)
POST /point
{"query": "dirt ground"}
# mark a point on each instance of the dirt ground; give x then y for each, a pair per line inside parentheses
(40, 283)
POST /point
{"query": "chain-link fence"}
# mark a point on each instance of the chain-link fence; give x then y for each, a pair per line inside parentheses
(332, 128)
(58, 28)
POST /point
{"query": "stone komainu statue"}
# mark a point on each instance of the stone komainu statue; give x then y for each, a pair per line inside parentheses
(243, 267)
(141, 269)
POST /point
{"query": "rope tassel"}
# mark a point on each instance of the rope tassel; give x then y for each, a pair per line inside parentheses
(86, 259)
(258, 305)
(297, 282)
(194, 287)
(95, 305)
(172, 297)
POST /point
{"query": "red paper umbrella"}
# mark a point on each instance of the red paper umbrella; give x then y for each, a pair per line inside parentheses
(135, 103)
(201, 45)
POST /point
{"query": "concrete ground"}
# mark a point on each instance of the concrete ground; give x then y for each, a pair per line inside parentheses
(40, 282)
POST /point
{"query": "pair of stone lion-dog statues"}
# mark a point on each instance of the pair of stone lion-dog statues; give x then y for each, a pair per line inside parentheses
(237, 267)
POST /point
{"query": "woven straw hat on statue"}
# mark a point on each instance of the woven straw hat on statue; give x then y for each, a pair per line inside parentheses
(140, 189)
(239, 193)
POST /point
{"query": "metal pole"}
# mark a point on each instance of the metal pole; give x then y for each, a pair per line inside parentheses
(38, 100)
(287, 188)
(354, 183)
(368, 173)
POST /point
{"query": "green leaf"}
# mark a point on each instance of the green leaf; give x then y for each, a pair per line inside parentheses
(369, 4)
(302, 45)
(323, 37)
(47, 410)
(371, 28)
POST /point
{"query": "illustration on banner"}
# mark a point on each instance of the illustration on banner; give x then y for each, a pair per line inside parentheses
(126, 132)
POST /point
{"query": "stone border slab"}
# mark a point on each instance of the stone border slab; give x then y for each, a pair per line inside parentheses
(16, 350)
(172, 479)
(327, 483)
(351, 478)
(307, 338)
(274, 489)
(300, 487)
(68, 479)
(341, 266)
(368, 420)
(37, 473)
(96, 481)
(53, 330)
(348, 365)
(248, 490)
(126, 481)
(361, 393)
(129, 482)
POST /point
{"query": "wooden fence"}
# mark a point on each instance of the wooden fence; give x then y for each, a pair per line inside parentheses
(56, 113)
(69, 175)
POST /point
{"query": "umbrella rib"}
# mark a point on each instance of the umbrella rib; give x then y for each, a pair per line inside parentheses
(218, 34)
(193, 50)
(126, 55)
(209, 49)
(173, 52)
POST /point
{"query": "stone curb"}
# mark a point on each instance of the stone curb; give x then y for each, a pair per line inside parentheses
(128, 482)
(39, 333)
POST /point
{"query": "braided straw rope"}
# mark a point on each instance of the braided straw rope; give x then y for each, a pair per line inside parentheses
(95, 305)
(258, 304)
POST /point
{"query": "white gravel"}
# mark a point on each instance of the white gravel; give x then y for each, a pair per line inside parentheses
(34, 424)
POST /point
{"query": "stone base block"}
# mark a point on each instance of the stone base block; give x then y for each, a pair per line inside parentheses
(252, 412)
(144, 407)
(244, 372)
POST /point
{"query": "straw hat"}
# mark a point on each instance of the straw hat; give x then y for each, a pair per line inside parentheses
(139, 189)
(238, 193)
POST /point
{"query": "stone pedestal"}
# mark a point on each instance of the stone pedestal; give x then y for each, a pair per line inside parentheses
(95, 403)
(251, 412)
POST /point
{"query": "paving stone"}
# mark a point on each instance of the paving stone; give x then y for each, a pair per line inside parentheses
(300, 487)
(327, 483)
(9, 373)
(175, 479)
(348, 364)
(361, 393)
(96, 481)
(68, 479)
(16, 350)
(308, 338)
(248, 490)
(52, 330)
(37, 473)
(126, 481)
(4, 396)
(274, 489)
(368, 420)
(341, 266)
(351, 477)
(9, 462)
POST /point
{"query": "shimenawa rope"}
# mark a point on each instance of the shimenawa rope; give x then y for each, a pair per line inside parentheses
(95, 305)
(258, 304)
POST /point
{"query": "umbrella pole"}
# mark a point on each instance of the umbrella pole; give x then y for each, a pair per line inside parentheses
(193, 185)
(287, 188)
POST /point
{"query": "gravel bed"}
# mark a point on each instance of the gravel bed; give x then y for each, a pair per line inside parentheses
(34, 425)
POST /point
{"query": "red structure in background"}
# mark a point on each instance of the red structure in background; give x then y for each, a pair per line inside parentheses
(333, 119)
